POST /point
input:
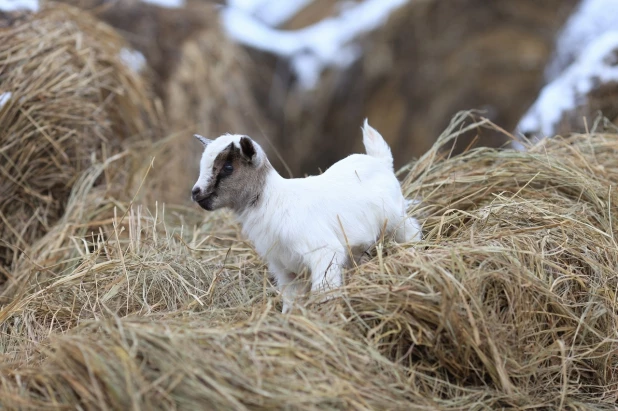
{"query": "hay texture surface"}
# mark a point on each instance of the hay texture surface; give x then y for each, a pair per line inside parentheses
(510, 301)
(67, 99)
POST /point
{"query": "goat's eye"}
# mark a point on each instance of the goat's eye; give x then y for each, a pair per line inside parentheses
(228, 167)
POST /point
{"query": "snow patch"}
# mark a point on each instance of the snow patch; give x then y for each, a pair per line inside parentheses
(19, 5)
(590, 19)
(328, 43)
(270, 12)
(170, 4)
(4, 98)
(597, 64)
(133, 59)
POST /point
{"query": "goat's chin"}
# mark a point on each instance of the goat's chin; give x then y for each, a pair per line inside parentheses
(207, 204)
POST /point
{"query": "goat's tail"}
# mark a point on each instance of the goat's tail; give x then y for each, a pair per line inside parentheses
(375, 144)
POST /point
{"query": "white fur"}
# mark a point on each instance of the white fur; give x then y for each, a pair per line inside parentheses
(305, 225)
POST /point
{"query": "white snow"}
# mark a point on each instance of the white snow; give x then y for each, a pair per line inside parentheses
(328, 43)
(15, 5)
(590, 19)
(4, 98)
(598, 64)
(133, 59)
(584, 58)
(271, 12)
(170, 4)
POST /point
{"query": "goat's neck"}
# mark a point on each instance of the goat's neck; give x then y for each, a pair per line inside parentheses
(271, 200)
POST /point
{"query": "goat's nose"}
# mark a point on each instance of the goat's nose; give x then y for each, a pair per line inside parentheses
(195, 191)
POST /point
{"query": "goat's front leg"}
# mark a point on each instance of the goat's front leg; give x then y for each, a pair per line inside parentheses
(327, 272)
(409, 230)
(288, 284)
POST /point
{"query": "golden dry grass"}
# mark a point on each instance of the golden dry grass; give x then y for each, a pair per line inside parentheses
(509, 302)
(72, 98)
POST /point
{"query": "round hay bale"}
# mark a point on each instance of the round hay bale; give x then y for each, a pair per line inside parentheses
(97, 249)
(514, 285)
(204, 79)
(284, 363)
(68, 98)
(157, 32)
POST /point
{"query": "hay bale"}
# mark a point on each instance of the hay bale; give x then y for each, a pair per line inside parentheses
(582, 73)
(515, 288)
(283, 363)
(157, 32)
(139, 263)
(68, 98)
(509, 302)
(581, 97)
(201, 76)
(314, 12)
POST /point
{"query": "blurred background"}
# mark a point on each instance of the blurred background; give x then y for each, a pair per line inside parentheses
(300, 76)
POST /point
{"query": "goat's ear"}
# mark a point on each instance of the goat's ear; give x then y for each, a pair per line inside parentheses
(203, 140)
(247, 148)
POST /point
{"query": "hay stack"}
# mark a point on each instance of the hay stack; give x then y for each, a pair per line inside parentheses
(156, 32)
(69, 100)
(139, 262)
(516, 287)
(201, 76)
(259, 364)
(509, 302)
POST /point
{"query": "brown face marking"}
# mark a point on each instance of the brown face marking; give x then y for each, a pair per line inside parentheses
(241, 187)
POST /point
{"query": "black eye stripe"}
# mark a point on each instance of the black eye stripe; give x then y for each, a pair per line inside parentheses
(229, 160)
(223, 173)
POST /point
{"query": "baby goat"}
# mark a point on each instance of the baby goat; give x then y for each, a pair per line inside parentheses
(306, 226)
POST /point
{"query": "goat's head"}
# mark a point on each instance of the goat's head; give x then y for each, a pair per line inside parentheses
(232, 173)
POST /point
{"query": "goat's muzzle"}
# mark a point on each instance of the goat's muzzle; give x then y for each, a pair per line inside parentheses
(203, 199)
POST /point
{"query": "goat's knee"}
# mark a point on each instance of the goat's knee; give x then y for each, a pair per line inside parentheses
(289, 286)
(327, 273)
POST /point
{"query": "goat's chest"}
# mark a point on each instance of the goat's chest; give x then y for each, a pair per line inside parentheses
(276, 247)
(282, 252)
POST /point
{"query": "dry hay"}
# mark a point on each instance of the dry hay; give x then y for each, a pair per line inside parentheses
(72, 101)
(129, 259)
(202, 77)
(509, 302)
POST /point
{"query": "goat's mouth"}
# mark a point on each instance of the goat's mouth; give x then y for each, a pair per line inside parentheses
(206, 202)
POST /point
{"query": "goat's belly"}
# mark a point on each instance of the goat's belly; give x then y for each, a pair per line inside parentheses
(363, 229)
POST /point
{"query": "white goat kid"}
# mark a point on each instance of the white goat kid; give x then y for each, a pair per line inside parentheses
(306, 228)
